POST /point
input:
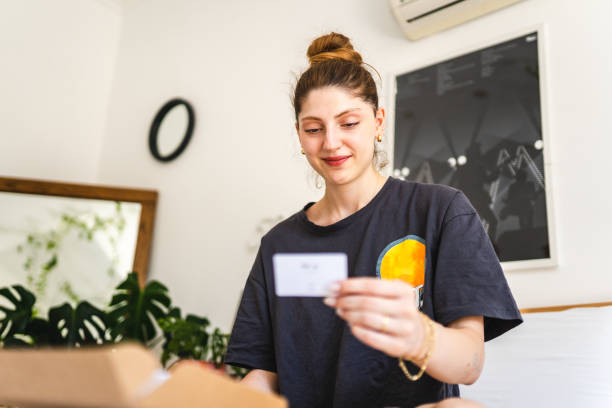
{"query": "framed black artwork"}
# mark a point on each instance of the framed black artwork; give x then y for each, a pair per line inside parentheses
(475, 121)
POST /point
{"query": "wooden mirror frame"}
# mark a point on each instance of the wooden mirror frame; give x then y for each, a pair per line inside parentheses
(146, 198)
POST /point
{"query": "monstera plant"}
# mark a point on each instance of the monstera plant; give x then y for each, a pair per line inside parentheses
(15, 323)
(134, 313)
(68, 326)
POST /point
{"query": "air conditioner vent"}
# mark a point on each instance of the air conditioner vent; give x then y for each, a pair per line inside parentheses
(419, 18)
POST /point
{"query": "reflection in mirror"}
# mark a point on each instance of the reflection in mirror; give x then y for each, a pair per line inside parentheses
(172, 130)
(68, 242)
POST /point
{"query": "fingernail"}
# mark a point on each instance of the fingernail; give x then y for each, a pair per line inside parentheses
(334, 288)
(339, 312)
(329, 301)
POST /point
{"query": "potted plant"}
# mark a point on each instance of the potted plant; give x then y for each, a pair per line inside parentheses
(134, 313)
(188, 340)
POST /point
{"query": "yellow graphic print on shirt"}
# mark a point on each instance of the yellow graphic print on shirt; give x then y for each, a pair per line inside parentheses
(404, 259)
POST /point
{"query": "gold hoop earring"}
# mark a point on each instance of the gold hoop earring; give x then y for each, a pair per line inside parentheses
(303, 152)
(379, 138)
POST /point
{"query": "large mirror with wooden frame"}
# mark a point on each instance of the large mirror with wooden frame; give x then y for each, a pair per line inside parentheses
(72, 242)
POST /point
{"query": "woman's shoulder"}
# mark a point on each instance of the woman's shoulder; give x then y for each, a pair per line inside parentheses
(428, 195)
(284, 229)
(426, 188)
(439, 201)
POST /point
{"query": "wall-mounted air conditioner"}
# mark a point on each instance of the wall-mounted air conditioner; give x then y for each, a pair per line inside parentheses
(419, 18)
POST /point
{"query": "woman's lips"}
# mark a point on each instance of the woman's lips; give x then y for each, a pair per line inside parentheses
(336, 160)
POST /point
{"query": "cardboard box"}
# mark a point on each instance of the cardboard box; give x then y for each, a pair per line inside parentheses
(121, 376)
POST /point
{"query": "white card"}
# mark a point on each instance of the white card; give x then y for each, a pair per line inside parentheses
(308, 275)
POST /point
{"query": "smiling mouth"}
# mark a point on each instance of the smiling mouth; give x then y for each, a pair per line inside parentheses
(336, 160)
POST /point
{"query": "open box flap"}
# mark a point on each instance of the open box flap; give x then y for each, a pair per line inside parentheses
(194, 386)
(118, 376)
(78, 377)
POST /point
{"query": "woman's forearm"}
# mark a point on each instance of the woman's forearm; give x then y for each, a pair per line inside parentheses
(458, 354)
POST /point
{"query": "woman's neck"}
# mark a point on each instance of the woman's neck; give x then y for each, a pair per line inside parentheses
(340, 201)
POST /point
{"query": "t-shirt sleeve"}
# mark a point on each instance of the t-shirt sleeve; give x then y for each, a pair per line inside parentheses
(251, 341)
(469, 280)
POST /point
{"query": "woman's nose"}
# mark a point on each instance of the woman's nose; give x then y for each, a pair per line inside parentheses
(331, 140)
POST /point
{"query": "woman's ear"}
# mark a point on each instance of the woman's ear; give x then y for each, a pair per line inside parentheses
(297, 127)
(380, 119)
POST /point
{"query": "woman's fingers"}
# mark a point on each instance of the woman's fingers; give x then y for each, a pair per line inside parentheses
(379, 322)
(391, 345)
(381, 314)
(374, 287)
(394, 336)
(371, 321)
(370, 304)
(404, 306)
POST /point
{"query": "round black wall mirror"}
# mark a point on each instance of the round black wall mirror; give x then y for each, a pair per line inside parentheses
(171, 130)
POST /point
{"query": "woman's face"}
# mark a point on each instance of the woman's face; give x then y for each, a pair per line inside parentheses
(337, 132)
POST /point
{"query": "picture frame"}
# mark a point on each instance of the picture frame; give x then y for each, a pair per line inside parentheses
(438, 108)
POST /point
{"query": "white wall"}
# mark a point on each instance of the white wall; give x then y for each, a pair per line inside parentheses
(235, 66)
(234, 61)
(56, 67)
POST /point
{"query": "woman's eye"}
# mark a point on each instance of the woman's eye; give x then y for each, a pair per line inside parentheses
(351, 124)
(314, 130)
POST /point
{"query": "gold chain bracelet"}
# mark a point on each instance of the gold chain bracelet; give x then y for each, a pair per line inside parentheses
(429, 344)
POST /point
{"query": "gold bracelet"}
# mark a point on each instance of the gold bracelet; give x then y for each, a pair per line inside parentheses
(429, 344)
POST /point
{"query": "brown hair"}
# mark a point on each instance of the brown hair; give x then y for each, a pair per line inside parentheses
(334, 62)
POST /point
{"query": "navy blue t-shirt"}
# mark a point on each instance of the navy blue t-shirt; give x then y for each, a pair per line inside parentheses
(428, 235)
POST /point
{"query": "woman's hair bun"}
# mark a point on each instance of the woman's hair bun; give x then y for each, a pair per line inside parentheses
(332, 46)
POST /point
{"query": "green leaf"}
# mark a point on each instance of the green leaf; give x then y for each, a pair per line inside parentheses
(51, 263)
(72, 327)
(66, 288)
(16, 342)
(38, 329)
(15, 320)
(218, 347)
(197, 320)
(98, 222)
(134, 311)
(184, 338)
(174, 312)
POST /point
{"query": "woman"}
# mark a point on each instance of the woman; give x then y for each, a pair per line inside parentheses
(374, 342)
